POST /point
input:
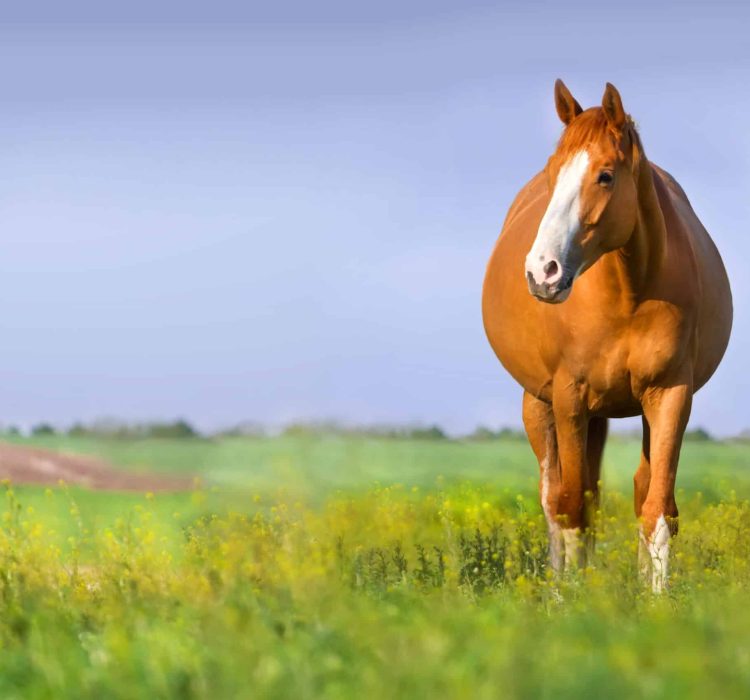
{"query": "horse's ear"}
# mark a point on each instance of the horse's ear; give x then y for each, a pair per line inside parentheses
(567, 105)
(612, 106)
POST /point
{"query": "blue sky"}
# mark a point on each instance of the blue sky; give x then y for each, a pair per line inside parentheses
(236, 211)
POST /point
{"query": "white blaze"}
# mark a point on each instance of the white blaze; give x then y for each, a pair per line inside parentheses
(561, 221)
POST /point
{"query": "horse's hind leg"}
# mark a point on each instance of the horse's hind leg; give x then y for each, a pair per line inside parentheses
(641, 482)
(594, 451)
(597, 436)
(540, 429)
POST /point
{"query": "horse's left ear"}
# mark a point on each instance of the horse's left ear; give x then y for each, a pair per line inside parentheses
(612, 106)
(567, 105)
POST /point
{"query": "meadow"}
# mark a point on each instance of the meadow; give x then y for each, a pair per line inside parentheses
(337, 567)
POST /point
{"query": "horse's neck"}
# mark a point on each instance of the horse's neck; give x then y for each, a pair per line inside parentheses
(643, 254)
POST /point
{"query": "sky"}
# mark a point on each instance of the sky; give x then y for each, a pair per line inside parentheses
(282, 211)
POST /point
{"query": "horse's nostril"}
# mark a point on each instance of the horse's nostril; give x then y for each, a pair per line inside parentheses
(550, 269)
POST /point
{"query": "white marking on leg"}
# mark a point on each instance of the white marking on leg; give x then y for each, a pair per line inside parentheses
(644, 558)
(553, 527)
(574, 552)
(561, 221)
(658, 549)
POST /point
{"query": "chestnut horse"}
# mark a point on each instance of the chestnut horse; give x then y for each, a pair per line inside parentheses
(605, 297)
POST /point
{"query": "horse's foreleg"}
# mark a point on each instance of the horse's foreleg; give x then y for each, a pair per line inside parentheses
(667, 410)
(571, 424)
(540, 429)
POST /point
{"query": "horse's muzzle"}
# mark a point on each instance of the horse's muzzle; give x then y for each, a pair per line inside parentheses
(549, 293)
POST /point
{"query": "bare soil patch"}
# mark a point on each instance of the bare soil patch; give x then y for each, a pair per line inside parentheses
(35, 465)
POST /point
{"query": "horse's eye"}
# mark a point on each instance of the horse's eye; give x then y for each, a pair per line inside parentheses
(605, 177)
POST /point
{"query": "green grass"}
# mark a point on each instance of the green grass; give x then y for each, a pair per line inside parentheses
(341, 568)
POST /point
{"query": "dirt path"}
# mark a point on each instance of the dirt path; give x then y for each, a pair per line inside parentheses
(34, 465)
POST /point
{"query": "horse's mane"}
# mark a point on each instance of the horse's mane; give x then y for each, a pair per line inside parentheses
(591, 126)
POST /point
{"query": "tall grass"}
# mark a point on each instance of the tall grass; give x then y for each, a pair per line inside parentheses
(392, 591)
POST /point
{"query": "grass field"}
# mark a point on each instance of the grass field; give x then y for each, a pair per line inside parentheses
(346, 568)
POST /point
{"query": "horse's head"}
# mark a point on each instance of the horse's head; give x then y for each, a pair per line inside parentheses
(593, 207)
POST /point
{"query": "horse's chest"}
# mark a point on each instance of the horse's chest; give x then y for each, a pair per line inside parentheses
(608, 379)
(619, 364)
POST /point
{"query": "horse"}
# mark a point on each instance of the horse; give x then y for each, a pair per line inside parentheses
(605, 297)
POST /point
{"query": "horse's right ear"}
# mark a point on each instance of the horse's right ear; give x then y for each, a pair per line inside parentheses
(612, 106)
(567, 105)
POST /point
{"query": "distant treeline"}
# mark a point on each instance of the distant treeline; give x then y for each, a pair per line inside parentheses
(113, 429)
(430, 432)
(182, 429)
